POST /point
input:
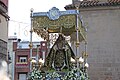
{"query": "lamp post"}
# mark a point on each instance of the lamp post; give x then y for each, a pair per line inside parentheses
(37, 62)
(76, 73)
(80, 61)
(35, 74)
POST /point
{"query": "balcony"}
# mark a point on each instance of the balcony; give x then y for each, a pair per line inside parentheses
(22, 65)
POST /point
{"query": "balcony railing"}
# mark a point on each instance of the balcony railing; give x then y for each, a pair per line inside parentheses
(22, 65)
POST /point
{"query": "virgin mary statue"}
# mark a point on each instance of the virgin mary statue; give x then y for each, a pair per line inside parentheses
(59, 55)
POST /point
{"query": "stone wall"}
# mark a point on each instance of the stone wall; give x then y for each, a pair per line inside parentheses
(3, 37)
(3, 28)
(103, 42)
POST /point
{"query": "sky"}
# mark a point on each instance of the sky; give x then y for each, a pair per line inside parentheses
(19, 12)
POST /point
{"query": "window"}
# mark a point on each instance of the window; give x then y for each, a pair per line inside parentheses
(23, 59)
(22, 76)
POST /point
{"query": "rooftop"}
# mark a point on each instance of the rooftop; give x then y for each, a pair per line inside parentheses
(25, 44)
(92, 3)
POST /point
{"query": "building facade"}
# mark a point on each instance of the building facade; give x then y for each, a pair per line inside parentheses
(3, 28)
(22, 57)
(102, 20)
(11, 56)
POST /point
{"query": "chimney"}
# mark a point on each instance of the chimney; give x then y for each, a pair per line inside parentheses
(19, 46)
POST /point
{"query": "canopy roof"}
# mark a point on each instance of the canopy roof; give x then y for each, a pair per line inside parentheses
(56, 21)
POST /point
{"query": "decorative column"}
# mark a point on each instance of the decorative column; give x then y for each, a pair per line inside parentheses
(86, 65)
(31, 44)
(43, 55)
(37, 55)
(77, 37)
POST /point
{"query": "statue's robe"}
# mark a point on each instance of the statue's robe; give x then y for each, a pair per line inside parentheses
(59, 55)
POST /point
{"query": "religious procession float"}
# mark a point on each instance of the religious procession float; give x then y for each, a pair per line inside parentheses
(62, 62)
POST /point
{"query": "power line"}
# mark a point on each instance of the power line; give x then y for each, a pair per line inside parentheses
(19, 22)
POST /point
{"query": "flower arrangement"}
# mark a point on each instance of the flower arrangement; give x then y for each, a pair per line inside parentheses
(53, 76)
(75, 74)
(35, 74)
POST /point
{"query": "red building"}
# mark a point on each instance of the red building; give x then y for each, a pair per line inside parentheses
(22, 56)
